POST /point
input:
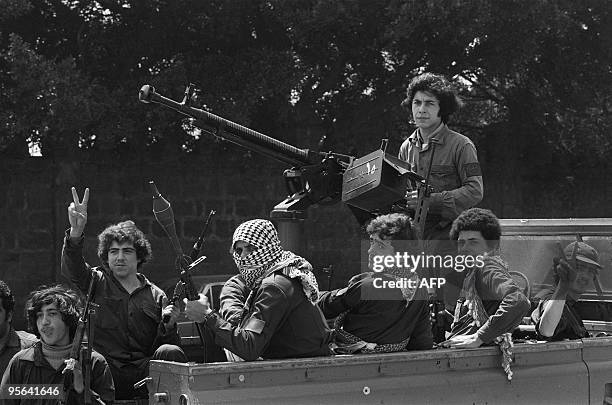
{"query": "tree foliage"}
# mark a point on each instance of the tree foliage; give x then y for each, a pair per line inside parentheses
(303, 70)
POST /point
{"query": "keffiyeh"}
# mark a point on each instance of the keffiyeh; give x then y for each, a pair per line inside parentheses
(270, 257)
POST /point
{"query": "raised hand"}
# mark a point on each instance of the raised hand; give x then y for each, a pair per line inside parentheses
(77, 213)
(567, 274)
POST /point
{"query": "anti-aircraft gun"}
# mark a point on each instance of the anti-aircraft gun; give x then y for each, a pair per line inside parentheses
(372, 184)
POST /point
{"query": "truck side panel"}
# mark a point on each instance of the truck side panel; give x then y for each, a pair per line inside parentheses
(597, 354)
(543, 373)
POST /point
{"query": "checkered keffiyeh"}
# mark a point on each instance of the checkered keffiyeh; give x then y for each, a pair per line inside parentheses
(270, 257)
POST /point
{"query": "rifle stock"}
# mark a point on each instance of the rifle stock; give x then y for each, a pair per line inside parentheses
(77, 341)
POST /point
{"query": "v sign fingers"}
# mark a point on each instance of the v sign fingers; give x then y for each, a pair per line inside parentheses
(77, 213)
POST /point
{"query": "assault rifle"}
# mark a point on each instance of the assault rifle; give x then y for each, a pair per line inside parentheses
(77, 352)
(162, 210)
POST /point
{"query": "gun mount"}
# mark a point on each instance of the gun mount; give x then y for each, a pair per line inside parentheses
(372, 183)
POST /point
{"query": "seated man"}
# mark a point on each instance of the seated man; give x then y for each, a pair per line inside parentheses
(555, 317)
(491, 304)
(11, 341)
(280, 317)
(129, 326)
(376, 318)
(53, 314)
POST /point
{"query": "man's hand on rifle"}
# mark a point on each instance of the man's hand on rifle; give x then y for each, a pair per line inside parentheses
(173, 311)
(77, 374)
(195, 310)
(77, 213)
(411, 199)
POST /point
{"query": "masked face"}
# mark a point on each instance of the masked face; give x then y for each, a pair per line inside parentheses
(241, 250)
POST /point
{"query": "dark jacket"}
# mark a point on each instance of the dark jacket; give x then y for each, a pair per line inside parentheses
(128, 326)
(502, 299)
(232, 298)
(30, 367)
(278, 322)
(570, 324)
(17, 340)
(380, 315)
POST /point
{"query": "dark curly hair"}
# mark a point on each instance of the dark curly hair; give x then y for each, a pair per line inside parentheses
(8, 301)
(478, 219)
(395, 226)
(439, 87)
(125, 231)
(67, 301)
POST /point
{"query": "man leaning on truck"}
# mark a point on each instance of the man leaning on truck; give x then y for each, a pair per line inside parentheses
(555, 317)
(491, 304)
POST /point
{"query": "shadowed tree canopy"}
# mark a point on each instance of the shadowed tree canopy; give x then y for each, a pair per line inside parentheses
(317, 73)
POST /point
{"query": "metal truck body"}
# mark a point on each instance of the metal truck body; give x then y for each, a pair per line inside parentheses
(567, 372)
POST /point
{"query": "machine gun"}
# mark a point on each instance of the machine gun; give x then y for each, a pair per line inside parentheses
(314, 176)
(79, 353)
(371, 184)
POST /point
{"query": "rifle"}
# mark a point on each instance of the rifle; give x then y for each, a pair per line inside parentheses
(162, 210)
(76, 352)
(185, 282)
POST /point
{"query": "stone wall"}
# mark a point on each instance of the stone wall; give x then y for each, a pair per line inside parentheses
(239, 186)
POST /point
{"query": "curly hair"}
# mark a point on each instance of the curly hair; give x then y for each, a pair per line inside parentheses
(440, 87)
(478, 219)
(8, 301)
(66, 300)
(396, 226)
(125, 231)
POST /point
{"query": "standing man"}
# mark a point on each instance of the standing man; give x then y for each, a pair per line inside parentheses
(53, 314)
(555, 316)
(129, 330)
(280, 318)
(11, 341)
(455, 171)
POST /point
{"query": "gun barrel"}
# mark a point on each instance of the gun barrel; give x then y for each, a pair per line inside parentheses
(234, 132)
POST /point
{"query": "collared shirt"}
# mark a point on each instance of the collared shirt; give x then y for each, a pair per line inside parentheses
(17, 340)
(29, 366)
(502, 299)
(128, 326)
(455, 171)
